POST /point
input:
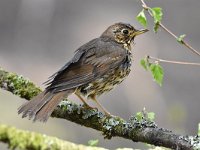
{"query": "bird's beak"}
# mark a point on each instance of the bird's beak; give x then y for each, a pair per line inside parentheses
(138, 32)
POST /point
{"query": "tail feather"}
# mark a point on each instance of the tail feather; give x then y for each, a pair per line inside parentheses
(48, 108)
(41, 106)
(28, 106)
(33, 111)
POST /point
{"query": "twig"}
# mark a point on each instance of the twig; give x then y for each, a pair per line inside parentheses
(144, 5)
(173, 62)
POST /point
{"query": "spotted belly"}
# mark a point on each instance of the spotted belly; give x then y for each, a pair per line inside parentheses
(105, 83)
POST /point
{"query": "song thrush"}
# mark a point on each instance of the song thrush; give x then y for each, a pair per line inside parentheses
(96, 68)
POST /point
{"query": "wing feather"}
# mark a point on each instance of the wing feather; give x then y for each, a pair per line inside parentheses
(87, 65)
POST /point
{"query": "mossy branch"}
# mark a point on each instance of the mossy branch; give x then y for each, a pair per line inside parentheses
(18, 85)
(23, 140)
(136, 130)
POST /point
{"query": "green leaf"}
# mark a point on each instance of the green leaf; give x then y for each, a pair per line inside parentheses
(180, 38)
(144, 64)
(139, 116)
(199, 129)
(151, 116)
(157, 73)
(141, 18)
(93, 142)
(156, 27)
(157, 14)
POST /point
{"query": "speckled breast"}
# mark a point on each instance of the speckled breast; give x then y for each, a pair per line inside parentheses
(108, 81)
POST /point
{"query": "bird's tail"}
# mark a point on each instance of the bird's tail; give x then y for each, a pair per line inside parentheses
(41, 106)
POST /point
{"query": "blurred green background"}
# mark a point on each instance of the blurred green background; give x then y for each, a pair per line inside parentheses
(37, 37)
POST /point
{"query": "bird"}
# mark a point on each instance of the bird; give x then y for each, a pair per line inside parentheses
(96, 68)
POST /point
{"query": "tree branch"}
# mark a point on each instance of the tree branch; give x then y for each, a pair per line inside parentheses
(136, 130)
(18, 85)
(19, 139)
(144, 5)
(173, 61)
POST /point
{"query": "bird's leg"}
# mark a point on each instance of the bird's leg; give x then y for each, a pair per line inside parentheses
(84, 102)
(104, 110)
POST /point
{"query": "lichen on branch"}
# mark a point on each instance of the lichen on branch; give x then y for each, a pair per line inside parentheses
(18, 85)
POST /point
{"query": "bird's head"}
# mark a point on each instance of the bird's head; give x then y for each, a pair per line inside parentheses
(122, 33)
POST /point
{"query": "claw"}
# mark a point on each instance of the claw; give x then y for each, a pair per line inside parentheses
(89, 107)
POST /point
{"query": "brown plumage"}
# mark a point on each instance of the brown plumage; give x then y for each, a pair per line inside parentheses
(96, 68)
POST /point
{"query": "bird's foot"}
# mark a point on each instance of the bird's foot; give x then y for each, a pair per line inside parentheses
(109, 115)
(89, 107)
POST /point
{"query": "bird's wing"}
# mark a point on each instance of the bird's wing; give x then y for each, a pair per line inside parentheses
(78, 53)
(92, 61)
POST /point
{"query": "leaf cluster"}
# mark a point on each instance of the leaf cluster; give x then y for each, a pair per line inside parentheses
(155, 69)
(156, 13)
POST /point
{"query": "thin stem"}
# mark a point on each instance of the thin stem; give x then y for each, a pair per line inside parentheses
(144, 5)
(173, 62)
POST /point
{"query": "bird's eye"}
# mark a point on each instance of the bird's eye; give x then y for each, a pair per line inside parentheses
(125, 31)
